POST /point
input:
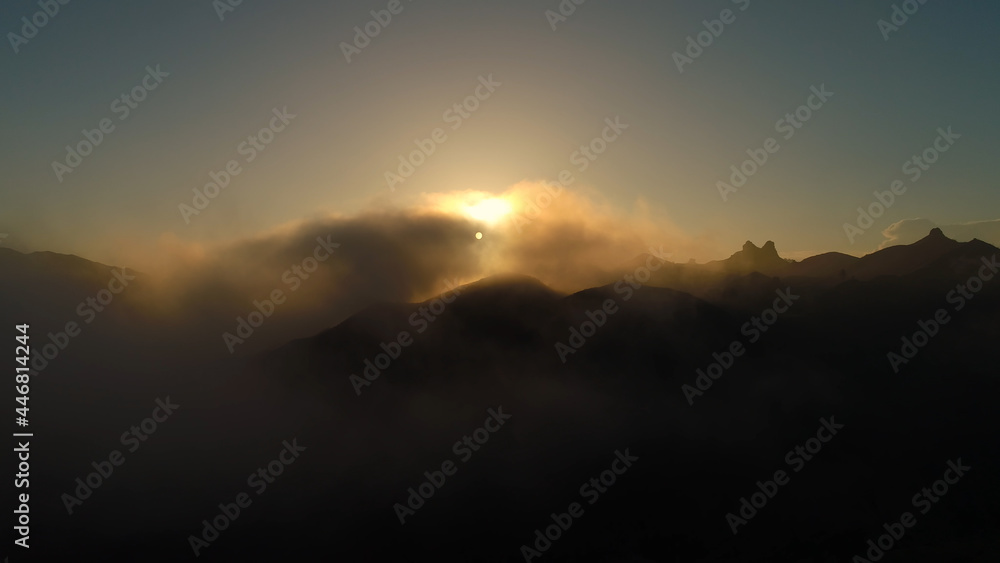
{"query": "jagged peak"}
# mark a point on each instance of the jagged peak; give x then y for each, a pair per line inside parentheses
(767, 250)
(937, 237)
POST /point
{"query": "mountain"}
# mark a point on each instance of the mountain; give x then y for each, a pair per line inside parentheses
(506, 323)
(758, 271)
(763, 260)
(639, 378)
(904, 259)
(709, 375)
(505, 317)
(829, 265)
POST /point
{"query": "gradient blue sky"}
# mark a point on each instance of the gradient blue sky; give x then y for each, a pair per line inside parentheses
(608, 59)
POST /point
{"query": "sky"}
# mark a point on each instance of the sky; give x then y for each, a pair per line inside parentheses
(547, 85)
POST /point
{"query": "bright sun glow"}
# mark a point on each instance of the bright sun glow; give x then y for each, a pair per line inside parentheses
(489, 210)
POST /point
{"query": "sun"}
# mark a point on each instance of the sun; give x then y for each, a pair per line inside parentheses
(489, 210)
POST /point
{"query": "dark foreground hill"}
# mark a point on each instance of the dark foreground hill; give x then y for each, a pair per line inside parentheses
(641, 381)
(685, 394)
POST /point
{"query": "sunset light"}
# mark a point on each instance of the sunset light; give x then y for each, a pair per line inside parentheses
(489, 210)
(540, 282)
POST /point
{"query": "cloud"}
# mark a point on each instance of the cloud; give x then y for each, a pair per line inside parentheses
(909, 231)
(570, 239)
(394, 253)
(378, 256)
(398, 254)
(906, 231)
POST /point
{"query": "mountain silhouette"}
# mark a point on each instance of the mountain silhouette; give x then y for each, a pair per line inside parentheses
(380, 396)
(904, 259)
(826, 354)
(763, 260)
